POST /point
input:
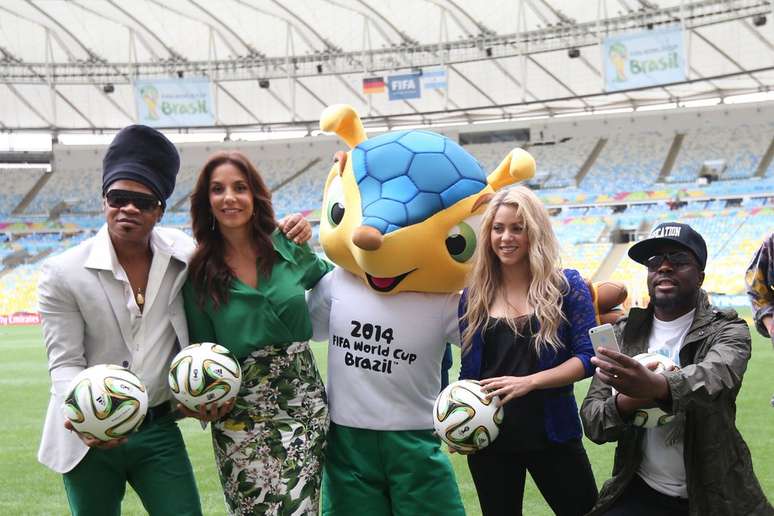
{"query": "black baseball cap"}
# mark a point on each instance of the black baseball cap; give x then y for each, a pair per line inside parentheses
(673, 233)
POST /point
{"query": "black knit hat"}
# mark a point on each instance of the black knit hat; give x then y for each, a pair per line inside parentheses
(672, 232)
(141, 153)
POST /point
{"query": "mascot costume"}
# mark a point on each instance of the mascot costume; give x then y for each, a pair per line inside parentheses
(400, 218)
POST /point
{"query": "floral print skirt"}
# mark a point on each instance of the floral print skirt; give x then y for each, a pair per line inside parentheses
(270, 448)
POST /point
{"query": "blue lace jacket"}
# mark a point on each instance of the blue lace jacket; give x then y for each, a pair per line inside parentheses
(561, 412)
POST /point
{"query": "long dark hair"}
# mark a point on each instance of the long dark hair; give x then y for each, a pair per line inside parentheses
(209, 272)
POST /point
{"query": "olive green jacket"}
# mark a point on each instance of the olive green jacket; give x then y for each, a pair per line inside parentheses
(718, 465)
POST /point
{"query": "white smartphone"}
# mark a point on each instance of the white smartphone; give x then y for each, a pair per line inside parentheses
(603, 336)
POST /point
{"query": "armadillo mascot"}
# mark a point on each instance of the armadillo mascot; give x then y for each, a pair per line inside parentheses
(400, 216)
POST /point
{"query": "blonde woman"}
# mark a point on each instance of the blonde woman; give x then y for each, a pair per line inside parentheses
(525, 337)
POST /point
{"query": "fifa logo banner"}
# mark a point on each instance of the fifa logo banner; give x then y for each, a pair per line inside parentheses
(174, 102)
(642, 59)
(404, 87)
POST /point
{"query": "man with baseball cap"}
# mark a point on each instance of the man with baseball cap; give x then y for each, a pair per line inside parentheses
(116, 299)
(697, 463)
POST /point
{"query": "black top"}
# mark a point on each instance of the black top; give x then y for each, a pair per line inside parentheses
(507, 353)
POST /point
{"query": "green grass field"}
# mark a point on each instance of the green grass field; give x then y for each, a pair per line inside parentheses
(27, 488)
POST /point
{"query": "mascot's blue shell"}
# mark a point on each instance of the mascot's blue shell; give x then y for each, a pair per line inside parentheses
(407, 176)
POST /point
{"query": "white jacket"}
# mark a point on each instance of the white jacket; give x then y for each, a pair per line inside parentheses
(86, 322)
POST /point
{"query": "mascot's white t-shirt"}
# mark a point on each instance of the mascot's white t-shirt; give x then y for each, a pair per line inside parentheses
(384, 351)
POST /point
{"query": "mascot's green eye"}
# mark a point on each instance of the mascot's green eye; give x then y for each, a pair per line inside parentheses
(334, 208)
(461, 242)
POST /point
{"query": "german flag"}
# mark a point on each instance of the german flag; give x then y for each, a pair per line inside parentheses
(373, 85)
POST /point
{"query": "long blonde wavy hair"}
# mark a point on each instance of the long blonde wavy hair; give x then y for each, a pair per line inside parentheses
(547, 282)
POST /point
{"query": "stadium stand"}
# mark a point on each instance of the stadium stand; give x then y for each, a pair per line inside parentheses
(575, 230)
(561, 160)
(489, 155)
(16, 182)
(303, 192)
(77, 174)
(738, 149)
(618, 195)
(84, 221)
(76, 179)
(630, 162)
(584, 257)
(20, 284)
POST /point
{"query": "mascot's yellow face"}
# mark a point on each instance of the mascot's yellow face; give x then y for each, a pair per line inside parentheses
(402, 210)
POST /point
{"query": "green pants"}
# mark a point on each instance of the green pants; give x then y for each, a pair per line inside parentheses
(154, 462)
(383, 473)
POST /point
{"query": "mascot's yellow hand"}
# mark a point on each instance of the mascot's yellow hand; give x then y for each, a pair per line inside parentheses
(518, 165)
(343, 120)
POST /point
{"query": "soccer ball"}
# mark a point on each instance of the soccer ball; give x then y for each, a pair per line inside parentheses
(106, 402)
(652, 417)
(464, 418)
(203, 374)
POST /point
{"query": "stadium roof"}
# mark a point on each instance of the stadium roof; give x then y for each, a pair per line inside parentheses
(69, 64)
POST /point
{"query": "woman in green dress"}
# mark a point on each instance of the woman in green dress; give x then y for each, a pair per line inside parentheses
(245, 291)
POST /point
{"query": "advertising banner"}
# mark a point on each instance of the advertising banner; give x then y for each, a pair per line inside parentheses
(641, 59)
(174, 102)
(404, 87)
(20, 319)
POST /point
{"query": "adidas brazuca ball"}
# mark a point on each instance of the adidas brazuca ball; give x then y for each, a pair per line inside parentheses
(464, 418)
(106, 402)
(203, 374)
(652, 417)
